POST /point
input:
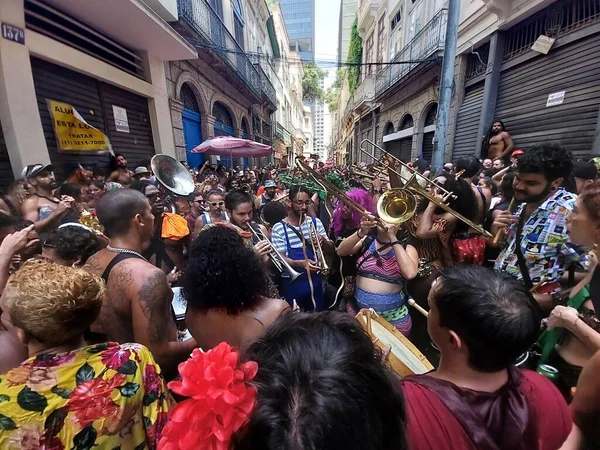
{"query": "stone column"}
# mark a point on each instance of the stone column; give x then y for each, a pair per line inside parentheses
(177, 122)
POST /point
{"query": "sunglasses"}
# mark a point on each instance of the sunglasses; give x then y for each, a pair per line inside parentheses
(215, 204)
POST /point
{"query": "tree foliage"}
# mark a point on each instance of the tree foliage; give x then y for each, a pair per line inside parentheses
(332, 94)
(354, 57)
(312, 82)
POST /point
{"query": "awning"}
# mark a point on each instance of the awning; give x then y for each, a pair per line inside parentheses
(233, 147)
(132, 23)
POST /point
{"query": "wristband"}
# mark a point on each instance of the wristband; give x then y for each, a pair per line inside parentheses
(396, 242)
(358, 234)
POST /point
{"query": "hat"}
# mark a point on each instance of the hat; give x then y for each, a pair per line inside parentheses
(240, 173)
(517, 153)
(270, 184)
(141, 171)
(34, 170)
(584, 170)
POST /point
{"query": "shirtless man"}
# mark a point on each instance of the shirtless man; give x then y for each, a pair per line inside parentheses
(42, 207)
(499, 142)
(122, 174)
(138, 306)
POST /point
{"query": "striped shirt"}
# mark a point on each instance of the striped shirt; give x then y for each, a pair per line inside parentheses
(278, 235)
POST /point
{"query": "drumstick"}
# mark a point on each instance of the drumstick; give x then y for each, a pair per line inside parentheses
(502, 230)
(414, 304)
(538, 285)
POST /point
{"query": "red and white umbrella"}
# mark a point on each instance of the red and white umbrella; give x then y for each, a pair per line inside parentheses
(233, 147)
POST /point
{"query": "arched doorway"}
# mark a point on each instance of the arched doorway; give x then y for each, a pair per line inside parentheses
(192, 129)
(407, 126)
(391, 146)
(429, 132)
(223, 127)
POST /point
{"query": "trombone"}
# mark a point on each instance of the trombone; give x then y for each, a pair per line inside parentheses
(319, 255)
(413, 172)
(278, 261)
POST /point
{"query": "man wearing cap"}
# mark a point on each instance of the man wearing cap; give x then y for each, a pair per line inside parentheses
(42, 207)
(585, 173)
(141, 173)
(266, 197)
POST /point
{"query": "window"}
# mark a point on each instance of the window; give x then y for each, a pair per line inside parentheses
(396, 34)
(217, 5)
(238, 22)
(369, 55)
(416, 20)
(187, 97)
(380, 39)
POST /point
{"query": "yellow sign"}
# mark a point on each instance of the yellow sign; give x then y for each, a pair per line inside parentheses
(73, 133)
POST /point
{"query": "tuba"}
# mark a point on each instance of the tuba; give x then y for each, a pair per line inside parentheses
(173, 177)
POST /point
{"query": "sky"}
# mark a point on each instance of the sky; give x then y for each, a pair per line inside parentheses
(327, 20)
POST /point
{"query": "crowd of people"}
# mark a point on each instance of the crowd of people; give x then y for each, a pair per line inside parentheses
(498, 255)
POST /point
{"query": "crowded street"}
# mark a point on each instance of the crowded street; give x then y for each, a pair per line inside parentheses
(299, 225)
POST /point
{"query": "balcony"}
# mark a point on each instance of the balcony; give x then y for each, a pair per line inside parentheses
(280, 132)
(366, 14)
(364, 95)
(269, 92)
(424, 45)
(229, 58)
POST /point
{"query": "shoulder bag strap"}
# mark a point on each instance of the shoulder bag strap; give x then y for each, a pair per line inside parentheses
(518, 251)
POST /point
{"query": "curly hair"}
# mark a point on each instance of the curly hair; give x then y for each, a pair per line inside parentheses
(317, 374)
(274, 212)
(590, 197)
(223, 273)
(71, 241)
(360, 196)
(52, 303)
(550, 159)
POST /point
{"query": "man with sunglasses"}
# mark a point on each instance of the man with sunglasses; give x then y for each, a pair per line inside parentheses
(291, 238)
(214, 211)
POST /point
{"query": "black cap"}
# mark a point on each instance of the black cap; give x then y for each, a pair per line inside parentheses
(33, 170)
(584, 170)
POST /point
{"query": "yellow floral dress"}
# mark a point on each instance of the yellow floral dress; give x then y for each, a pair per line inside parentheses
(105, 396)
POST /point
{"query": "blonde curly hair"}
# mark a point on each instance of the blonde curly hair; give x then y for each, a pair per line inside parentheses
(52, 303)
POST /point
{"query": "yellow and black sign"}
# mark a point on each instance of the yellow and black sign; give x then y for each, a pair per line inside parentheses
(73, 133)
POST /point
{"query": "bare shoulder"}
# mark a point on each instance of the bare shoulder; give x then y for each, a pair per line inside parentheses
(153, 285)
(274, 307)
(93, 265)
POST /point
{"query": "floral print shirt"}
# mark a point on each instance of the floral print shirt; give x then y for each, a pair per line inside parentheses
(105, 396)
(544, 241)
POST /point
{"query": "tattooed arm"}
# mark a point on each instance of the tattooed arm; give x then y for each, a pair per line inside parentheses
(153, 324)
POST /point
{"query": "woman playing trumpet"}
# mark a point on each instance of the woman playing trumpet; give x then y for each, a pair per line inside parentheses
(383, 265)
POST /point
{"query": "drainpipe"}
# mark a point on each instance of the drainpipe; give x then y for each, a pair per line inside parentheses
(447, 77)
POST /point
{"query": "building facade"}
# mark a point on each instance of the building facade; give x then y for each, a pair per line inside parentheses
(348, 9)
(299, 18)
(543, 95)
(228, 89)
(107, 65)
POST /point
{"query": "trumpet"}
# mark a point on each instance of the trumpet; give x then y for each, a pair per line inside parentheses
(319, 255)
(278, 261)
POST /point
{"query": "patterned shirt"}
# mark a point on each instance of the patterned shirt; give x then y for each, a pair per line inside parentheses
(102, 396)
(544, 241)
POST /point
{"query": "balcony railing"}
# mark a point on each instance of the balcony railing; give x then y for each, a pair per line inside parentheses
(265, 69)
(282, 133)
(427, 41)
(365, 92)
(205, 21)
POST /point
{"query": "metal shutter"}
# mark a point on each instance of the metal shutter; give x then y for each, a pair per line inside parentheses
(524, 90)
(6, 173)
(467, 122)
(93, 100)
(427, 152)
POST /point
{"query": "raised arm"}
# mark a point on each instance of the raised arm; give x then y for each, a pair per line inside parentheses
(29, 208)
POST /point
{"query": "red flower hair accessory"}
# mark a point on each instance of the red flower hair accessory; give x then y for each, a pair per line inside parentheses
(220, 402)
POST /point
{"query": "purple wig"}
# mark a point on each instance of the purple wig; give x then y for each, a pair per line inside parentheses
(360, 196)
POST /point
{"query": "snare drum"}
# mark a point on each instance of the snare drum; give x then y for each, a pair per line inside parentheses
(404, 358)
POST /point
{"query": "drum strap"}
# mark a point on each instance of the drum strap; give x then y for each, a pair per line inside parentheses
(515, 420)
(520, 258)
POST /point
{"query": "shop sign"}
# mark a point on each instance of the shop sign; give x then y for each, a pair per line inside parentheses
(73, 133)
(12, 33)
(543, 44)
(555, 99)
(121, 121)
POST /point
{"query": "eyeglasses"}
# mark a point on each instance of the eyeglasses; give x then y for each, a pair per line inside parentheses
(300, 202)
(215, 204)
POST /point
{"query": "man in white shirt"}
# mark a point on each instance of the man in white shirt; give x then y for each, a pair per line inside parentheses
(291, 238)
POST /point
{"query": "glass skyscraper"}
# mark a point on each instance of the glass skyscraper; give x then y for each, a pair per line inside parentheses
(299, 16)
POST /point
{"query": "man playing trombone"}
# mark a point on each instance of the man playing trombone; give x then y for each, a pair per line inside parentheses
(301, 240)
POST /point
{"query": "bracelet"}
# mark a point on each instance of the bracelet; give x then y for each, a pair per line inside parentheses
(396, 243)
(358, 234)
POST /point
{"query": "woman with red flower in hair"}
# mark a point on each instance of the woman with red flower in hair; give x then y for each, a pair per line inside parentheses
(68, 394)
